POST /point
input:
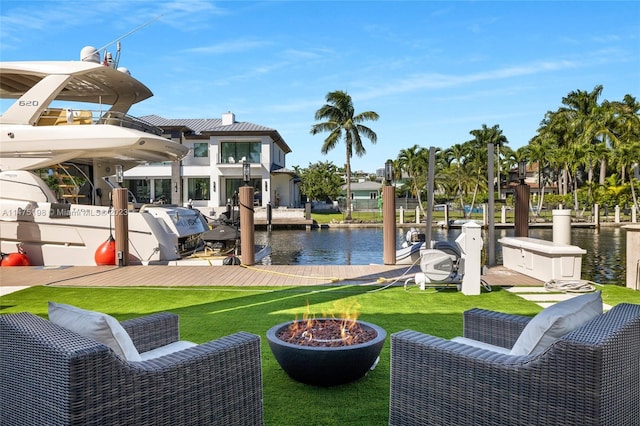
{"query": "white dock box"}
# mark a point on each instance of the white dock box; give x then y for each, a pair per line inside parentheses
(541, 259)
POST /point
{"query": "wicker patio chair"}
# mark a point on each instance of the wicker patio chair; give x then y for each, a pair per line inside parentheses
(590, 376)
(52, 376)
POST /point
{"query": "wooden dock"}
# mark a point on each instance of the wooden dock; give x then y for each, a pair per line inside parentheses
(241, 276)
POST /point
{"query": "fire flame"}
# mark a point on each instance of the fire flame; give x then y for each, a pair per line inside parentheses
(310, 326)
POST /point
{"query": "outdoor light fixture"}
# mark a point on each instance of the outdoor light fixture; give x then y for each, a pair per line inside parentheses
(266, 186)
(388, 171)
(119, 173)
(522, 170)
(246, 172)
(214, 187)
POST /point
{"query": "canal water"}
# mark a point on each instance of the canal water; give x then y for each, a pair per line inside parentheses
(604, 262)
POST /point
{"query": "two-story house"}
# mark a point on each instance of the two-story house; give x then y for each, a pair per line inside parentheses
(209, 176)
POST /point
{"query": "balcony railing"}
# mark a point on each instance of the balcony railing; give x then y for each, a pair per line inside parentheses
(226, 159)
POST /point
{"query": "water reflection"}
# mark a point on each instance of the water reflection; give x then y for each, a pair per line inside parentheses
(604, 262)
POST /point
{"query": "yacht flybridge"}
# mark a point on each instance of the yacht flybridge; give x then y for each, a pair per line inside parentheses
(69, 125)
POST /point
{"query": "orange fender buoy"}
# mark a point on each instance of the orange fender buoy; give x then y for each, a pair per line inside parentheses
(106, 252)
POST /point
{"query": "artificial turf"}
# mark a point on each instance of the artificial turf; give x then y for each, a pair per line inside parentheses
(208, 313)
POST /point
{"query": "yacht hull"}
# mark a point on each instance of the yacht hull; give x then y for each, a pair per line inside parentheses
(24, 147)
(70, 234)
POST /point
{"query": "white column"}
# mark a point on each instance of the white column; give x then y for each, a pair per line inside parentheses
(561, 226)
(470, 243)
(485, 214)
(633, 256)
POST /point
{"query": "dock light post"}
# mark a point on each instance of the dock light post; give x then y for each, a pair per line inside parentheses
(522, 202)
(246, 172)
(389, 216)
(119, 174)
(120, 197)
(388, 172)
(121, 225)
(522, 170)
(247, 248)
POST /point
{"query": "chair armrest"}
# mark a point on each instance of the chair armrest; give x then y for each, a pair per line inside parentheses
(216, 383)
(152, 331)
(438, 382)
(197, 354)
(492, 327)
(77, 381)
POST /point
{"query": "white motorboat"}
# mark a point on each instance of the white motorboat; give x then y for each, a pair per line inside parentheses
(409, 253)
(41, 130)
(415, 246)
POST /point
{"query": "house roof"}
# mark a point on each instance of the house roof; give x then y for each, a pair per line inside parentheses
(364, 186)
(214, 127)
(285, 171)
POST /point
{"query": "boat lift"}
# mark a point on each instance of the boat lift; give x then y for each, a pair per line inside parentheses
(446, 265)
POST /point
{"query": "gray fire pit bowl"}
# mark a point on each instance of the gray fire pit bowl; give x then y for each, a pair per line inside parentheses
(326, 366)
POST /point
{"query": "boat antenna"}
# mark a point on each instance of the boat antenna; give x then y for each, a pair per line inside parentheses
(126, 35)
(117, 60)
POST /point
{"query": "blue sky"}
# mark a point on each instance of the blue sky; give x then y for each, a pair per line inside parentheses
(433, 71)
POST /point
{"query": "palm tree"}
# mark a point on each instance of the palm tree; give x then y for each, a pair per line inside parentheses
(343, 122)
(477, 155)
(414, 161)
(627, 130)
(592, 153)
(455, 156)
(554, 129)
(585, 119)
(493, 134)
(538, 151)
(476, 165)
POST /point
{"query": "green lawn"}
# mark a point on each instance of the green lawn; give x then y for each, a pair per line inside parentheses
(210, 312)
(410, 216)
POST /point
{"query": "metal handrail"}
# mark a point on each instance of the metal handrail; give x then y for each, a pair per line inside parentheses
(62, 116)
(128, 121)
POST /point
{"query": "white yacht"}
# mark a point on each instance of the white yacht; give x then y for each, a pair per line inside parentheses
(69, 126)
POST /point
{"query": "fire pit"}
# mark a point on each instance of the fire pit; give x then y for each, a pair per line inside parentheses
(313, 352)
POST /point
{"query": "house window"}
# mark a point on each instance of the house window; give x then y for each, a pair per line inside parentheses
(162, 190)
(198, 188)
(233, 152)
(139, 188)
(373, 195)
(200, 150)
(232, 187)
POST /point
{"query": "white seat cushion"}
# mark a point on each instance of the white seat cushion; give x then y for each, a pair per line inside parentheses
(482, 345)
(100, 327)
(556, 321)
(166, 350)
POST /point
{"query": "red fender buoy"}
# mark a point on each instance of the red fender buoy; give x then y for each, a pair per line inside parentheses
(14, 259)
(106, 252)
